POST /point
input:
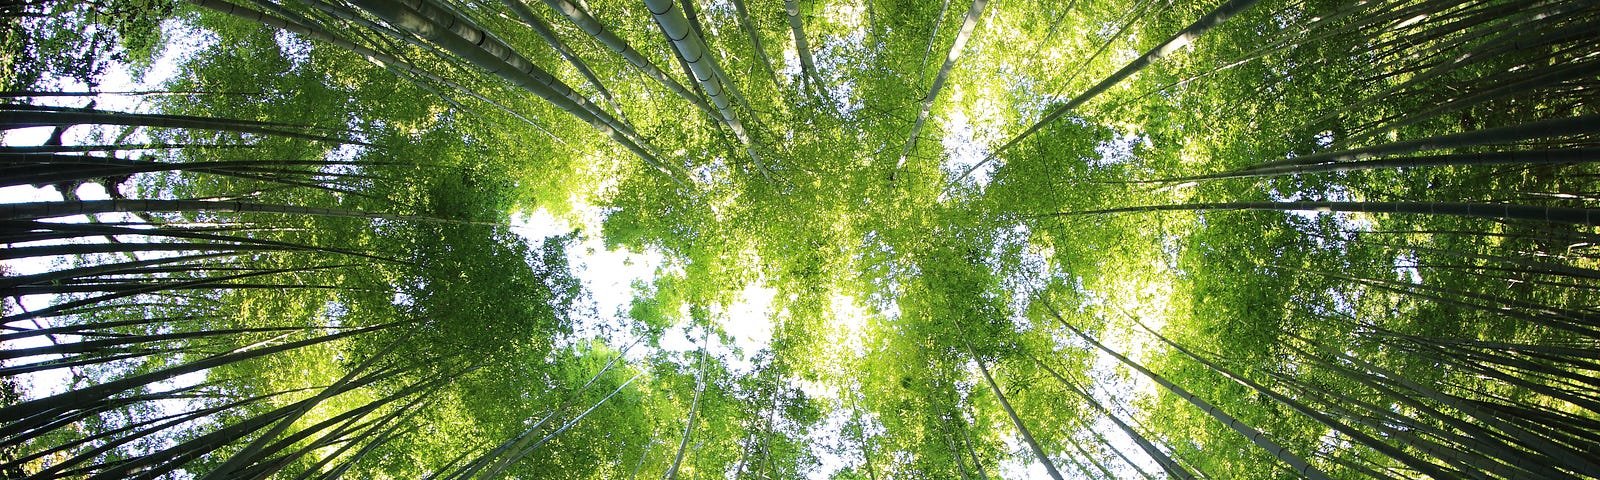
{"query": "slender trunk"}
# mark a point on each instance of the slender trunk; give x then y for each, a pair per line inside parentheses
(1471, 56)
(60, 363)
(79, 398)
(966, 440)
(1295, 463)
(962, 36)
(1083, 470)
(168, 459)
(808, 67)
(1580, 358)
(253, 451)
(950, 443)
(401, 426)
(938, 21)
(523, 452)
(115, 147)
(129, 247)
(1038, 451)
(184, 453)
(688, 427)
(703, 65)
(16, 117)
(1181, 39)
(1488, 419)
(87, 329)
(1109, 446)
(542, 28)
(1288, 42)
(1554, 127)
(43, 210)
(642, 457)
(698, 31)
(1532, 157)
(1167, 463)
(64, 231)
(1408, 432)
(62, 308)
(1543, 79)
(59, 169)
(257, 464)
(1564, 215)
(47, 424)
(463, 39)
(168, 286)
(766, 434)
(112, 345)
(1579, 322)
(110, 440)
(1128, 19)
(126, 93)
(388, 61)
(1544, 441)
(755, 41)
(118, 268)
(516, 444)
(593, 27)
(1095, 460)
(1358, 436)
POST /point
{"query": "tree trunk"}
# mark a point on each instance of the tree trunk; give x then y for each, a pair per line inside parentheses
(15, 116)
(1564, 215)
(1038, 451)
(1255, 436)
(703, 64)
(808, 67)
(688, 427)
(77, 399)
(542, 28)
(967, 25)
(1181, 39)
(473, 44)
(755, 41)
(593, 27)
(1167, 463)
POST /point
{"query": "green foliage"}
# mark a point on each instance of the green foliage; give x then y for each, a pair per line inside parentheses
(77, 41)
(925, 311)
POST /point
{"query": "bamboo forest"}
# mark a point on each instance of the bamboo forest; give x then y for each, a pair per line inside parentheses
(800, 239)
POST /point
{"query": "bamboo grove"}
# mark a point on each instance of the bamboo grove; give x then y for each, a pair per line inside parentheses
(1090, 239)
